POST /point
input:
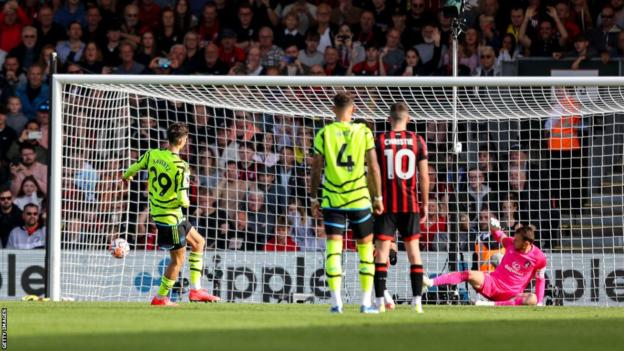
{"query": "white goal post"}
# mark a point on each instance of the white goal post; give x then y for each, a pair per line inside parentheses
(545, 151)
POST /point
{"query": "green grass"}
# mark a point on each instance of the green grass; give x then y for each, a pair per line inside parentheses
(126, 326)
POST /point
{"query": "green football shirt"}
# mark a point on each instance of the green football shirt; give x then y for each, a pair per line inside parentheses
(168, 184)
(344, 146)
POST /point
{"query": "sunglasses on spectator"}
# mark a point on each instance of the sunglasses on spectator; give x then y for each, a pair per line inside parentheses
(31, 213)
(5, 197)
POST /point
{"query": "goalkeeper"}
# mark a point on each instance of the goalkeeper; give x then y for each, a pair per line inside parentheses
(505, 286)
(345, 148)
(168, 186)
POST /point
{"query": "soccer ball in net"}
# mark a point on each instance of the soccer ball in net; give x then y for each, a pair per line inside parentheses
(119, 248)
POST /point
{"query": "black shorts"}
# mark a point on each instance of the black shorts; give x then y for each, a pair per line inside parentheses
(408, 225)
(173, 237)
(361, 222)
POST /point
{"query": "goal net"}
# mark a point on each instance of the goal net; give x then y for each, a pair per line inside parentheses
(543, 152)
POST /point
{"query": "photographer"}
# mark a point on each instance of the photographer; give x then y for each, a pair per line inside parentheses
(290, 64)
(30, 136)
(174, 63)
(349, 52)
(28, 166)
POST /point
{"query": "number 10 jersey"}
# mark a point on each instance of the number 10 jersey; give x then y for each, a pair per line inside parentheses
(344, 147)
(398, 154)
(168, 184)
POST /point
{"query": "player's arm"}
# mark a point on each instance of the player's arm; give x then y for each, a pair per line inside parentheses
(374, 180)
(182, 193)
(495, 228)
(137, 166)
(540, 283)
(318, 161)
(423, 179)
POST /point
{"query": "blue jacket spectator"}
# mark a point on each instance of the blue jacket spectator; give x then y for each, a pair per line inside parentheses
(34, 92)
(73, 11)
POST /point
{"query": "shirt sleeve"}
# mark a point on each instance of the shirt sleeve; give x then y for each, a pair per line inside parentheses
(319, 143)
(370, 140)
(137, 166)
(540, 281)
(182, 195)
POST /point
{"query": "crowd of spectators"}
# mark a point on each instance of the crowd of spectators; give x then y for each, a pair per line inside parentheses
(292, 37)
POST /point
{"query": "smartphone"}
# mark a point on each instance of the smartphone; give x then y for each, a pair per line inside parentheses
(34, 135)
(164, 62)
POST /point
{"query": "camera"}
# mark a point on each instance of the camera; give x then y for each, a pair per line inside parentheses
(343, 37)
(34, 135)
(164, 62)
(289, 59)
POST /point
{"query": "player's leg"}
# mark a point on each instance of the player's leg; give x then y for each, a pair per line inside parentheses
(169, 277)
(526, 299)
(409, 228)
(474, 278)
(335, 224)
(168, 238)
(362, 226)
(196, 265)
(384, 233)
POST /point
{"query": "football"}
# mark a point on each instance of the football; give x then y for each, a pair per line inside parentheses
(119, 248)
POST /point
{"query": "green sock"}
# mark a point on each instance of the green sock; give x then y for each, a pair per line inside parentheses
(333, 264)
(196, 265)
(367, 266)
(165, 285)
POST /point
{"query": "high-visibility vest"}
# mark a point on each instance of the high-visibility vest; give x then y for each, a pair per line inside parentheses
(484, 254)
(564, 133)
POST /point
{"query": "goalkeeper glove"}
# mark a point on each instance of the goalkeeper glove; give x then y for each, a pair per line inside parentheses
(494, 224)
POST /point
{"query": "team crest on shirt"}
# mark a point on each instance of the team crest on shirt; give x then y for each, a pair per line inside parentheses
(527, 264)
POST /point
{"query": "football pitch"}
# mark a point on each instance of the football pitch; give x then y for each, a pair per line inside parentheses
(227, 326)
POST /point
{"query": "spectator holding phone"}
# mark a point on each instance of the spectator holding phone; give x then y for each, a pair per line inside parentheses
(30, 136)
(28, 166)
(290, 64)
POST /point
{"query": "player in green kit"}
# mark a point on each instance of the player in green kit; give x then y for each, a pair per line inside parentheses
(168, 194)
(345, 149)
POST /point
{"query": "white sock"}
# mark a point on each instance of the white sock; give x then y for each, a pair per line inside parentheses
(379, 301)
(416, 300)
(196, 286)
(388, 297)
(336, 298)
(366, 298)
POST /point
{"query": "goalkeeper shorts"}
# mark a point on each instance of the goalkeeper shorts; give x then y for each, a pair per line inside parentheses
(173, 237)
(361, 222)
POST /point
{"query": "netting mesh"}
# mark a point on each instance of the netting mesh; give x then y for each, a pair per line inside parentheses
(542, 156)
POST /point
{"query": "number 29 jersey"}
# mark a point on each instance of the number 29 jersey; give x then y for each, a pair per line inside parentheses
(398, 154)
(344, 147)
(168, 184)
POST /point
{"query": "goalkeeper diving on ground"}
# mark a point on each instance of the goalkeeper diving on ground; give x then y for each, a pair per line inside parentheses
(168, 185)
(505, 286)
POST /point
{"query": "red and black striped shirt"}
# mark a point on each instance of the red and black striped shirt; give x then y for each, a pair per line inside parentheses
(399, 154)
